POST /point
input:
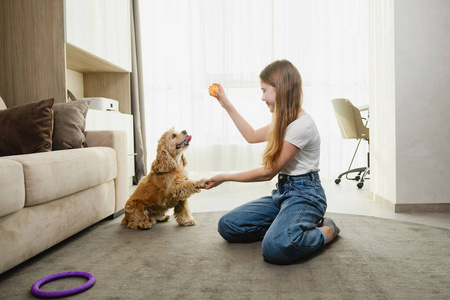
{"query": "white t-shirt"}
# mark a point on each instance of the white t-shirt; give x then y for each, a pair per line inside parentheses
(303, 134)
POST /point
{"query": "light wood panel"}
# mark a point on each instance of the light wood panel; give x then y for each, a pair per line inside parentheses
(33, 58)
(82, 61)
(32, 55)
(109, 85)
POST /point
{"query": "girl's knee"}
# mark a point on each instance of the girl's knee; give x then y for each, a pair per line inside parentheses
(229, 229)
(281, 250)
(276, 252)
(224, 229)
(234, 231)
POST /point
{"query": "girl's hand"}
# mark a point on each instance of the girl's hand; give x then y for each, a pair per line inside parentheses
(222, 97)
(214, 181)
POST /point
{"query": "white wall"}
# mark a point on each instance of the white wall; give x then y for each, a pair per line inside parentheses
(382, 102)
(410, 133)
(422, 93)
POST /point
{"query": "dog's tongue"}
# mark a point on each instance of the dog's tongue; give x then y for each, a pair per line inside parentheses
(185, 143)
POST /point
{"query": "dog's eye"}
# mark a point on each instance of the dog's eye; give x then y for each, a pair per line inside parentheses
(174, 136)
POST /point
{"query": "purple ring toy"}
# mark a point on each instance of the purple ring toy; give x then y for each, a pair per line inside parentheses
(53, 294)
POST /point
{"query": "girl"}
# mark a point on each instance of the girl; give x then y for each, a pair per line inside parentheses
(290, 222)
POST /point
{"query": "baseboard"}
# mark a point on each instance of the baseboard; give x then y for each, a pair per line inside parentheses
(116, 214)
(422, 207)
(382, 201)
(410, 207)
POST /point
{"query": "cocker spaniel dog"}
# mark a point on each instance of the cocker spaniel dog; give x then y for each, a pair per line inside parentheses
(166, 186)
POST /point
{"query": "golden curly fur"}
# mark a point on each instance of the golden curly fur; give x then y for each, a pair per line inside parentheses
(166, 186)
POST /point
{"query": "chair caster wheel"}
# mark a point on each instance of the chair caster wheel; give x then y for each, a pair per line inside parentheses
(337, 181)
(360, 185)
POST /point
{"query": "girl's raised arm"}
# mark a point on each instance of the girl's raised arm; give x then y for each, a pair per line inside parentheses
(250, 135)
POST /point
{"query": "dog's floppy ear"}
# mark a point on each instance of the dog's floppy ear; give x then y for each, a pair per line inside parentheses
(183, 160)
(163, 163)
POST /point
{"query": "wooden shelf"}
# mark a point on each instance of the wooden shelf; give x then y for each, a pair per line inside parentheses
(100, 77)
(82, 61)
(32, 73)
(112, 85)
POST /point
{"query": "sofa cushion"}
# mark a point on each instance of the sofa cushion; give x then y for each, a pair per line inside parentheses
(52, 175)
(70, 121)
(26, 128)
(12, 195)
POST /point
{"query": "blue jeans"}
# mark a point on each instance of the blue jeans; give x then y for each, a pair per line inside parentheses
(286, 222)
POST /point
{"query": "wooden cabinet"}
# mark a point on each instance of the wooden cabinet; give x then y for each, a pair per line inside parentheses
(32, 51)
(98, 45)
(42, 40)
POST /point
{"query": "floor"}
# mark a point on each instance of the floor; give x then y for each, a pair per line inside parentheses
(344, 198)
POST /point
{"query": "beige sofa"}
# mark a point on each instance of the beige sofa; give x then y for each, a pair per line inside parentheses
(49, 196)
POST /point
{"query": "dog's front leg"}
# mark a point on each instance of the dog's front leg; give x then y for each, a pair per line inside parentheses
(182, 214)
(185, 189)
(181, 192)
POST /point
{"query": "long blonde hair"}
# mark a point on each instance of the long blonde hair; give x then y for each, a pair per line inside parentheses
(286, 80)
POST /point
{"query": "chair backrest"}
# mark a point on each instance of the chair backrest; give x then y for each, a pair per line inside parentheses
(349, 119)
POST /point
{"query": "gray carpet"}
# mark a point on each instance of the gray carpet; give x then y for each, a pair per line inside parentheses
(373, 258)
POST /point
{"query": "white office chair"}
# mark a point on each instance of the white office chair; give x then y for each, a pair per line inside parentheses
(352, 127)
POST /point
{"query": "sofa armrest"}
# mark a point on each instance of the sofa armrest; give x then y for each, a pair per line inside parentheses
(117, 140)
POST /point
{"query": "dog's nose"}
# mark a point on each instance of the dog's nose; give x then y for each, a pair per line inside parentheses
(184, 132)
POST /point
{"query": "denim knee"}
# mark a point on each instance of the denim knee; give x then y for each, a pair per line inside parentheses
(280, 250)
(224, 229)
(277, 252)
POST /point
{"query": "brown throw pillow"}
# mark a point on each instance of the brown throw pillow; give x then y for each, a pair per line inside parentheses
(26, 128)
(70, 121)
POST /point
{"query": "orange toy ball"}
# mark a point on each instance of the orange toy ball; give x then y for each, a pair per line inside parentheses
(212, 89)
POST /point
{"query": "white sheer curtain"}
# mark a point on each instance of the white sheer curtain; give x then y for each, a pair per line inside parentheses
(187, 45)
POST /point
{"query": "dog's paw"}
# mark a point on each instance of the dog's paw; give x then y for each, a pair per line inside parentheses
(201, 184)
(139, 225)
(163, 218)
(190, 222)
